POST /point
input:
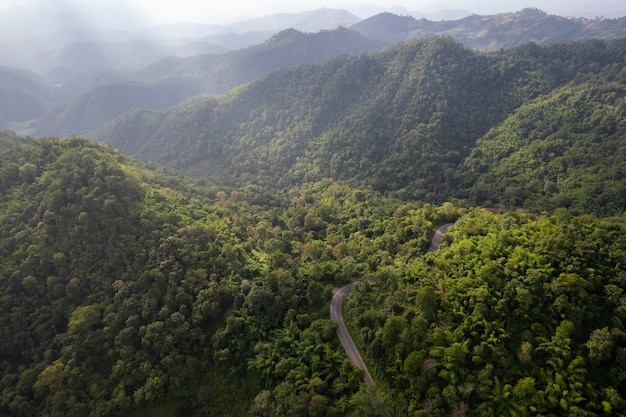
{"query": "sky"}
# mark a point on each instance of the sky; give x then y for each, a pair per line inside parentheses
(202, 11)
(227, 11)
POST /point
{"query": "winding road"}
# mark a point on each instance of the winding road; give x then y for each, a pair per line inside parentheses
(342, 331)
(337, 301)
(434, 244)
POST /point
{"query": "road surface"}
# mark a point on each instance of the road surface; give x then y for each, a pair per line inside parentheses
(335, 312)
(434, 244)
(342, 332)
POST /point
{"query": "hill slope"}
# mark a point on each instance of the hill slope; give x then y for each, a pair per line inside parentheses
(513, 315)
(125, 290)
(341, 118)
(561, 150)
(169, 81)
(79, 65)
(402, 121)
(23, 95)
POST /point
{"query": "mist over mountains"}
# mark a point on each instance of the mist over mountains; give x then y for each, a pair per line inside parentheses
(344, 104)
(83, 85)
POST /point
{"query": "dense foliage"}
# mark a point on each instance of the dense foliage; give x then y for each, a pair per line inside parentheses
(9, 140)
(128, 290)
(565, 149)
(368, 117)
(514, 315)
(123, 288)
(424, 120)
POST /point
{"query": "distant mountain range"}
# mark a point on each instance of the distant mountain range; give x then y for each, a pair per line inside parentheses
(26, 34)
(313, 21)
(169, 81)
(493, 32)
(23, 95)
(84, 85)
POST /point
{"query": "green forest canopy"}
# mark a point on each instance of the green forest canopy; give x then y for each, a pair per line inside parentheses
(127, 290)
(425, 120)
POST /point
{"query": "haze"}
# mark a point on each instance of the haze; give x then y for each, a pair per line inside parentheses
(133, 14)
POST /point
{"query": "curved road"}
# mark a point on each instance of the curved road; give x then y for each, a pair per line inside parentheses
(438, 238)
(337, 301)
(342, 332)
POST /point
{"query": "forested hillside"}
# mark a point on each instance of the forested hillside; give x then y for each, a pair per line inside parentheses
(426, 120)
(170, 80)
(124, 289)
(127, 289)
(514, 315)
(565, 149)
(10, 140)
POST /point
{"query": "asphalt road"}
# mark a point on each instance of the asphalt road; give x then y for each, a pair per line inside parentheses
(434, 244)
(337, 301)
(342, 332)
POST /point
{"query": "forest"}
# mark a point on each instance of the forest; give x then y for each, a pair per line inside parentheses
(515, 315)
(196, 280)
(128, 290)
(429, 120)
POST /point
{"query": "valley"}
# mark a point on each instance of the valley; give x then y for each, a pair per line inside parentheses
(181, 205)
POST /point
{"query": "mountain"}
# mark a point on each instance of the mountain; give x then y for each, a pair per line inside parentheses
(103, 103)
(23, 95)
(102, 57)
(447, 14)
(309, 21)
(288, 48)
(27, 53)
(343, 119)
(571, 8)
(389, 27)
(173, 79)
(86, 68)
(368, 10)
(562, 149)
(493, 32)
(404, 121)
(236, 41)
(80, 66)
(67, 37)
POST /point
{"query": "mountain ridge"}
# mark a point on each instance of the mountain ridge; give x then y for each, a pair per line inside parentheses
(83, 67)
(401, 121)
(492, 32)
(181, 78)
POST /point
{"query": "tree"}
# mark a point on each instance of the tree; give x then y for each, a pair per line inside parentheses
(600, 344)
